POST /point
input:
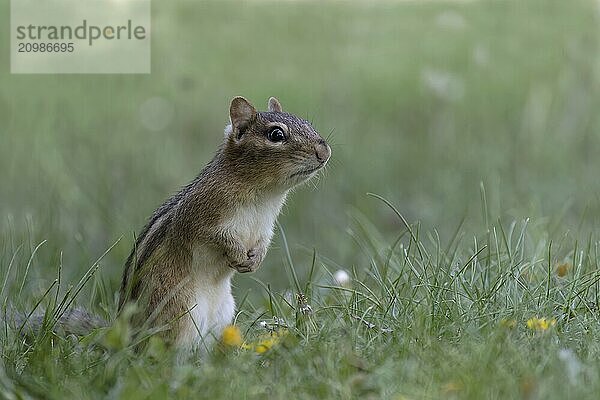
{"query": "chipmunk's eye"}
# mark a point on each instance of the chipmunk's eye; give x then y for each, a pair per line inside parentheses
(276, 134)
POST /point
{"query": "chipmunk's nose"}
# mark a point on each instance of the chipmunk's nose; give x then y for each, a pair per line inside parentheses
(322, 151)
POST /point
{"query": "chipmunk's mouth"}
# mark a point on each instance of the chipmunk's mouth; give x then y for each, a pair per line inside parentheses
(306, 172)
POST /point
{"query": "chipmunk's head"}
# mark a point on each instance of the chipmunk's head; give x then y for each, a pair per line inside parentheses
(273, 149)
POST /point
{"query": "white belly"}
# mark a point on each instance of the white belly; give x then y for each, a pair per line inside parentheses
(211, 304)
(253, 223)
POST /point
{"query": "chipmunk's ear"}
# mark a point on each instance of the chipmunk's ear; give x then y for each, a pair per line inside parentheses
(274, 105)
(242, 114)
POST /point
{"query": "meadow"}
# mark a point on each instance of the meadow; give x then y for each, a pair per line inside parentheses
(462, 199)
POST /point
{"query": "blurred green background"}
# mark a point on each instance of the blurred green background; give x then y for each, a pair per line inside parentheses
(424, 101)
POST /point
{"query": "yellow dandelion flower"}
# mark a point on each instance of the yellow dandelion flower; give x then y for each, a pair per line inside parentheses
(563, 269)
(266, 342)
(265, 345)
(508, 323)
(231, 336)
(540, 324)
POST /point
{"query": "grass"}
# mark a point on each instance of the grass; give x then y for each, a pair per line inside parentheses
(474, 125)
(423, 319)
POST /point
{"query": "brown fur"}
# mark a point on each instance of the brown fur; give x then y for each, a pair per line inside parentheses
(246, 169)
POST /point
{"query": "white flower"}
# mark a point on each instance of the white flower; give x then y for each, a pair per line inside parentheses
(342, 278)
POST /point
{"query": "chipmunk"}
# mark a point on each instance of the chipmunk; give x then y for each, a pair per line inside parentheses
(179, 272)
(180, 269)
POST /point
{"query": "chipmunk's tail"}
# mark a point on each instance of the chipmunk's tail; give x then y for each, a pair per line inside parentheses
(74, 321)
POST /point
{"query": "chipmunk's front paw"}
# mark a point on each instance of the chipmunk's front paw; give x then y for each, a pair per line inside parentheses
(252, 262)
